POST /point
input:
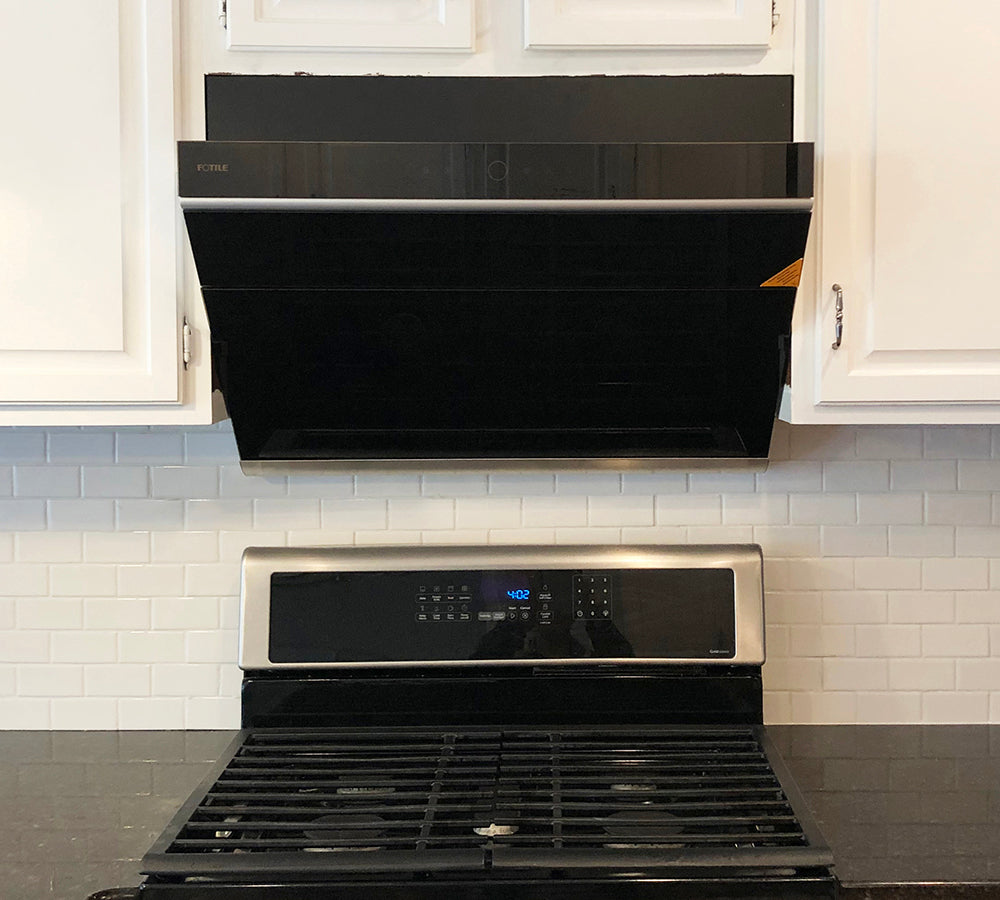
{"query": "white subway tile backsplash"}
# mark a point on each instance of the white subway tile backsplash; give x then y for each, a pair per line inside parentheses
(22, 515)
(854, 540)
(855, 674)
(211, 579)
(119, 561)
(955, 707)
(26, 580)
(185, 679)
(43, 680)
(49, 612)
(856, 475)
(890, 509)
(48, 546)
(151, 713)
(184, 546)
(150, 447)
(87, 579)
(977, 540)
(688, 509)
(978, 606)
(654, 483)
(955, 640)
(720, 534)
(956, 441)
(922, 607)
(874, 573)
(487, 512)
(22, 445)
(299, 512)
(150, 515)
(788, 476)
(79, 515)
(232, 483)
(589, 483)
(227, 514)
(921, 674)
(840, 607)
(956, 574)
(923, 475)
(421, 512)
(755, 509)
(150, 646)
(215, 646)
(876, 707)
(83, 713)
(921, 540)
(354, 515)
(629, 509)
(118, 613)
(555, 510)
(787, 540)
(979, 474)
(505, 484)
(890, 641)
(210, 447)
(182, 482)
(70, 446)
(387, 485)
(116, 546)
(958, 509)
(84, 646)
(890, 442)
(115, 481)
(823, 509)
(709, 482)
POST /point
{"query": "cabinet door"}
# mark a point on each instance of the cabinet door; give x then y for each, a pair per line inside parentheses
(88, 273)
(908, 215)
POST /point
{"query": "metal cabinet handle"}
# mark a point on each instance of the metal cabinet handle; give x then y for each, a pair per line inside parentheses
(838, 331)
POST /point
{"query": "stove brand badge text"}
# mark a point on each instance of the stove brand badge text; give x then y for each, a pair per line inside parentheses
(212, 167)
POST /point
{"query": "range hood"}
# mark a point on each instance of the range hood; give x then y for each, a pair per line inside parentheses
(525, 303)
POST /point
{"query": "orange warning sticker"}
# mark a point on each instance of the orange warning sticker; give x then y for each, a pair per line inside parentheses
(787, 277)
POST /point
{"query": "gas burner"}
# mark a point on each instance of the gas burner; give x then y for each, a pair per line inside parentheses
(494, 830)
(347, 826)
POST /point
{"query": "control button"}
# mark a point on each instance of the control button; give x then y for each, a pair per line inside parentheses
(465, 589)
(451, 617)
(465, 607)
(436, 598)
(421, 617)
(450, 607)
(579, 613)
(499, 616)
(465, 598)
(484, 616)
(605, 613)
(545, 618)
(422, 598)
(464, 617)
(436, 617)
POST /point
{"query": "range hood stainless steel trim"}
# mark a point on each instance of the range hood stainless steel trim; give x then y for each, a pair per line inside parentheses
(494, 464)
(359, 204)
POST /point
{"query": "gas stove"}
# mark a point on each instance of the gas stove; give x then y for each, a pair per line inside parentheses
(497, 722)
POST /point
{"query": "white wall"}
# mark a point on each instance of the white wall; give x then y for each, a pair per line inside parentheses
(119, 562)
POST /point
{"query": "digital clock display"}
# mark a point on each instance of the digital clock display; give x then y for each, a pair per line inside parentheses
(520, 594)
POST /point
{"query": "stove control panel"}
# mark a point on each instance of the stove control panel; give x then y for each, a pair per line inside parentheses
(650, 614)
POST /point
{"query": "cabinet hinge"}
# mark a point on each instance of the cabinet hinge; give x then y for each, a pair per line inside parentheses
(775, 15)
(223, 14)
(186, 335)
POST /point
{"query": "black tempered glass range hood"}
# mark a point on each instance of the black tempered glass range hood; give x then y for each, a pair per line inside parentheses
(498, 272)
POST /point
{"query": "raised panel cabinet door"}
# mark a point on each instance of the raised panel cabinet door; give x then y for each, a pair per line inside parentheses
(644, 24)
(88, 272)
(429, 25)
(909, 212)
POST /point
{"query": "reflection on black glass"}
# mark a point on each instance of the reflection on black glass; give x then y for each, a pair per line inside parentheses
(512, 639)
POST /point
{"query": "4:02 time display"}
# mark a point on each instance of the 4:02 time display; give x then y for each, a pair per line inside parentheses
(520, 594)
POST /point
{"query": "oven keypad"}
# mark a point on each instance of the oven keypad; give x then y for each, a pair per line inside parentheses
(591, 597)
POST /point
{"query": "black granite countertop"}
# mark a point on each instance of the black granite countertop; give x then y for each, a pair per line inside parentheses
(910, 811)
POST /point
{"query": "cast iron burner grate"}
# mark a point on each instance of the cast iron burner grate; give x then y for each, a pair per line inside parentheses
(394, 800)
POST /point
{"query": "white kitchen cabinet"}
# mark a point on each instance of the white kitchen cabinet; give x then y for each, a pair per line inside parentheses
(447, 25)
(592, 24)
(90, 285)
(908, 217)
